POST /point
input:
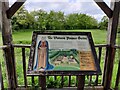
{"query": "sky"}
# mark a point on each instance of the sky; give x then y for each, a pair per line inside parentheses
(88, 7)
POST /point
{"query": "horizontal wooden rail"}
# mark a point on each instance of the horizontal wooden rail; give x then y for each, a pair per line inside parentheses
(65, 88)
(3, 47)
(105, 45)
(28, 46)
(101, 45)
(117, 47)
(21, 45)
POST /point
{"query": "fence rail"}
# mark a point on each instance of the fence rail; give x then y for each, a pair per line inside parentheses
(91, 80)
(3, 47)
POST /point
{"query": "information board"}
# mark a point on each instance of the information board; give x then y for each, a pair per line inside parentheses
(63, 52)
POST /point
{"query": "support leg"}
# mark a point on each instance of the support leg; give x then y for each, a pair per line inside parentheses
(42, 82)
(81, 82)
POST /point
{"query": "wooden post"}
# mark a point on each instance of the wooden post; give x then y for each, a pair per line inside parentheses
(99, 59)
(24, 66)
(69, 83)
(42, 82)
(62, 80)
(8, 52)
(33, 81)
(81, 82)
(0, 16)
(112, 30)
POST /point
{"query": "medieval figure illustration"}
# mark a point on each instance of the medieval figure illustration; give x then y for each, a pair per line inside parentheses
(42, 62)
(42, 54)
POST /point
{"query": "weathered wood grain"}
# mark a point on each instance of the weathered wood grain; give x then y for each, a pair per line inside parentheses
(24, 66)
(99, 58)
(13, 9)
(104, 7)
(111, 38)
(0, 16)
(8, 52)
(42, 80)
(81, 82)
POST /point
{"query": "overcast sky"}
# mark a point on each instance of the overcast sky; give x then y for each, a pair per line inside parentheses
(67, 6)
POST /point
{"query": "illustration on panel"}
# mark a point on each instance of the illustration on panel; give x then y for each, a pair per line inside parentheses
(42, 58)
(63, 52)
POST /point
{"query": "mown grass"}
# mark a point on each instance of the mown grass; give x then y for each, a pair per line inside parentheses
(22, 37)
(99, 36)
(25, 37)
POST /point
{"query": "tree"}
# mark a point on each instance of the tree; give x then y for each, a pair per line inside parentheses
(80, 21)
(72, 21)
(104, 23)
(19, 19)
(30, 20)
(23, 19)
(42, 20)
(55, 20)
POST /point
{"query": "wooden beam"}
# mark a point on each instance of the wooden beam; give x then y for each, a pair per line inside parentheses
(12, 10)
(104, 7)
(111, 38)
(8, 52)
(0, 16)
(109, 68)
(113, 24)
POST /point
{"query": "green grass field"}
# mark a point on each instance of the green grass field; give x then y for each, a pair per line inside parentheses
(99, 36)
(25, 37)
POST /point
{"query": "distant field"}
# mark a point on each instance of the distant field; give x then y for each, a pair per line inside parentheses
(25, 37)
(99, 36)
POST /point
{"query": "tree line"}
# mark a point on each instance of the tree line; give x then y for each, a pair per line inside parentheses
(42, 20)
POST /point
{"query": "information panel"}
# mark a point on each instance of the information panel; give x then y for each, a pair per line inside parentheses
(62, 52)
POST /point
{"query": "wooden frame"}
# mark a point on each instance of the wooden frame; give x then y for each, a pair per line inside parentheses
(62, 72)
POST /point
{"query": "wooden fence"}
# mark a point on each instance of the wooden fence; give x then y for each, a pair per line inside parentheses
(96, 80)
